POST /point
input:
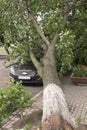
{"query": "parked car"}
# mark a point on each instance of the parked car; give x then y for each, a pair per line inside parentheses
(27, 73)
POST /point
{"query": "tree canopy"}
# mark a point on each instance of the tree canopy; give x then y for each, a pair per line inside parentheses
(67, 16)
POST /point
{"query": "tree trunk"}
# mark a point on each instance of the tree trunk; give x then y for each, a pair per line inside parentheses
(56, 115)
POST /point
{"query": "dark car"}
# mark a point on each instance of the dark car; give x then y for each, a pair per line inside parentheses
(27, 73)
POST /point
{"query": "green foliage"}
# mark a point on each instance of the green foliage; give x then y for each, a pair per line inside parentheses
(12, 98)
(21, 35)
(80, 71)
(80, 49)
(79, 119)
(64, 52)
(79, 28)
(27, 127)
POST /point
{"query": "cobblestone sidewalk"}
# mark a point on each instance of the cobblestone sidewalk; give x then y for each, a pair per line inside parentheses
(76, 96)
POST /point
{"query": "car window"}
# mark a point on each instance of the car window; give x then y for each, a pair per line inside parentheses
(28, 65)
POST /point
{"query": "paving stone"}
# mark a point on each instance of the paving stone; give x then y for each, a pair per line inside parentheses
(76, 97)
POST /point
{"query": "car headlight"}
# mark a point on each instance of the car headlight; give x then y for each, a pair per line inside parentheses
(12, 71)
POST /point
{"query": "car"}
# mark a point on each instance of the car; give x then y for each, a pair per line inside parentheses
(26, 73)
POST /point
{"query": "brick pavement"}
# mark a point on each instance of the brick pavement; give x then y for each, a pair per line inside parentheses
(76, 96)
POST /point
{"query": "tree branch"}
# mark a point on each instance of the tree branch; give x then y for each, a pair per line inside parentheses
(14, 62)
(43, 45)
(56, 37)
(36, 25)
(10, 64)
(66, 15)
(66, 9)
(74, 7)
(36, 63)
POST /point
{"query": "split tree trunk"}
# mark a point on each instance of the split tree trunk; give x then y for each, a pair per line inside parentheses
(56, 115)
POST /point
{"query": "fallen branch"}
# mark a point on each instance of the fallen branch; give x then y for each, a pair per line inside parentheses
(10, 64)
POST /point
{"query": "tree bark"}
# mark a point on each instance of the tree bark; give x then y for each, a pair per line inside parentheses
(56, 115)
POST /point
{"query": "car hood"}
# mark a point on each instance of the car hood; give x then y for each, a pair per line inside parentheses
(25, 72)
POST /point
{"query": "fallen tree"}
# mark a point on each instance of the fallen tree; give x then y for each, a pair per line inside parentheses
(56, 115)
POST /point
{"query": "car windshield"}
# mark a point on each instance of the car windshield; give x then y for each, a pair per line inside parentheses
(26, 66)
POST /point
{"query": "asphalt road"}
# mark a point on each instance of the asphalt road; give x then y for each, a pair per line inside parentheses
(5, 79)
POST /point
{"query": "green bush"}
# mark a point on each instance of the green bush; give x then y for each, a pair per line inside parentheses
(80, 51)
(13, 98)
(79, 28)
(79, 71)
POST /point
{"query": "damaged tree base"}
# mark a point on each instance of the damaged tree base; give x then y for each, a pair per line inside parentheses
(56, 122)
(56, 115)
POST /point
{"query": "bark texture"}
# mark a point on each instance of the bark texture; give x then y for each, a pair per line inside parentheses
(49, 70)
(56, 115)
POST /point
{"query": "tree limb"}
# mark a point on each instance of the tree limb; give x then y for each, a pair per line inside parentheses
(74, 7)
(66, 15)
(56, 36)
(36, 63)
(13, 62)
(10, 64)
(66, 9)
(43, 45)
(36, 25)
